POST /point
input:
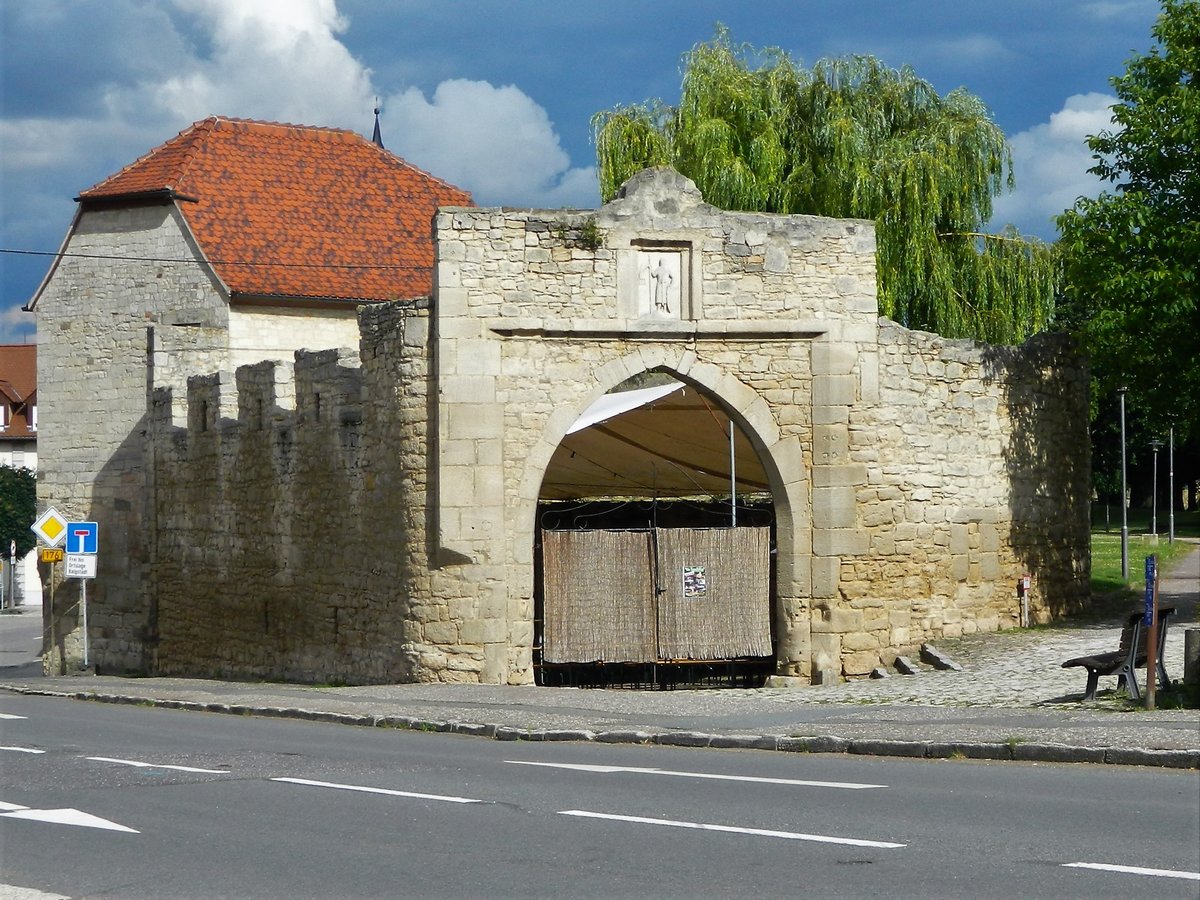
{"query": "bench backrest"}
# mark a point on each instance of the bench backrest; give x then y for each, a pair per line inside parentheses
(1134, 634)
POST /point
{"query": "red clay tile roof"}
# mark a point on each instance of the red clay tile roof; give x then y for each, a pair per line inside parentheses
(295, 211)
(18, 387)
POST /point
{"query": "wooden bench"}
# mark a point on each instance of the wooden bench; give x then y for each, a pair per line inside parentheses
(1128, 657)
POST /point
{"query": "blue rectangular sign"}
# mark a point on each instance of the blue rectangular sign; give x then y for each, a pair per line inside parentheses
(82, 537)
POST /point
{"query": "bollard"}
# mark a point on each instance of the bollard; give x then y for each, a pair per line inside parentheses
(1191, 655)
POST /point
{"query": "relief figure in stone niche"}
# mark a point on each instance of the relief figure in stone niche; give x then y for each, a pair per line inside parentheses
(661, 278)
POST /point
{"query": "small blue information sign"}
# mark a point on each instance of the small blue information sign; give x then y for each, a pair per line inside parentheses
(82, 538)
(1151, 565)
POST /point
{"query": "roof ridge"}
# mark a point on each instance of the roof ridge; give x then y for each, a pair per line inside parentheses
(263, 125)
(198, 130)
(408, 165)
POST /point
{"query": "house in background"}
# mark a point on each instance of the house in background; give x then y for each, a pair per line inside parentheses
(18, 448)
(234, 242)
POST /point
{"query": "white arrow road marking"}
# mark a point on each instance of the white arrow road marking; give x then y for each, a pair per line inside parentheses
(373, 790)
(65, 817)
(1134, 870)
(759, 832)
(608, 770)
(146, 765)
(22, 749)
(10, 716)
(9, 807)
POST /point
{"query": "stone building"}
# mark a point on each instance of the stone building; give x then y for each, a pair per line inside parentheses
(377, 514)
(233, 242)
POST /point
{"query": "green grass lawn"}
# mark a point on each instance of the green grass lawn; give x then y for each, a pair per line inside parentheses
(1106, 548)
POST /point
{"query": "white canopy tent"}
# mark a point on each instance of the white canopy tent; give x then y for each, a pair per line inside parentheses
(663, 441)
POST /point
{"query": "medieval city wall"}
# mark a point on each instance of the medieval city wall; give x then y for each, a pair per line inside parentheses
(284, 494)
(372, 516)
(971, 473)
(916, 479)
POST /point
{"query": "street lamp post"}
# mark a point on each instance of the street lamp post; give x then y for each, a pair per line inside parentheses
(1124, 502)
(1171, 487)
(1155, 445)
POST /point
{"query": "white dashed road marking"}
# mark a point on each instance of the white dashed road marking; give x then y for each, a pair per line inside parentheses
(374, 790)
(1134, 870)
(848, 785)
(146, 765)
(758, 832)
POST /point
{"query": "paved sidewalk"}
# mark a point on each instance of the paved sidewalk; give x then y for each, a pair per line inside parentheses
(1012, 700)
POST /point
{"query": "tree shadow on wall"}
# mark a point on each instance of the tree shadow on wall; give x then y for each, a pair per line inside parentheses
(1048, 463)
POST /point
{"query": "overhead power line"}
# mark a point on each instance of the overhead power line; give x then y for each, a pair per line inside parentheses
(222, 262)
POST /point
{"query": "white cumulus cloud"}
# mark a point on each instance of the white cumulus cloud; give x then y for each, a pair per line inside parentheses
(1051, 162)
(278, 60)
(496, 141)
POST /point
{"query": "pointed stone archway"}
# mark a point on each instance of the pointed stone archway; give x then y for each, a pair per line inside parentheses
(781, 458)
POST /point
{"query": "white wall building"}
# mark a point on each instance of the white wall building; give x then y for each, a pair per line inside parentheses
(18, 448)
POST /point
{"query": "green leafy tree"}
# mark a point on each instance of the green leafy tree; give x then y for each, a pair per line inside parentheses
(1131, 255)
(18, 509)
(851, 138)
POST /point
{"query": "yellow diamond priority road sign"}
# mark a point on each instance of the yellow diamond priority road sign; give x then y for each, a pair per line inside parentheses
(51, 528)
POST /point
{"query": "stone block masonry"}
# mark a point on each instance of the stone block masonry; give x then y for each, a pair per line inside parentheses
(94, 317)
(369, 515)
(129, 307)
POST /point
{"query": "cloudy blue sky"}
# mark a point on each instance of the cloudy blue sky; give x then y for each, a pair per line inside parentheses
(496, 95)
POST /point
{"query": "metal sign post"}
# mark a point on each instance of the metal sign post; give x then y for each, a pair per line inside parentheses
(51, 529)
(83, 545)
(1151, 623)
(83, 613)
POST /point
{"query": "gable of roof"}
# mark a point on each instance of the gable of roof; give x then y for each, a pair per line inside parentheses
(294, 211)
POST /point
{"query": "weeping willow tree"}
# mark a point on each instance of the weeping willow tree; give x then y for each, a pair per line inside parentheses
(851, 138)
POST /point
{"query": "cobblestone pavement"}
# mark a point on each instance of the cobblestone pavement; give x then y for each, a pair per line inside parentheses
(1012, 669)
(1023, 668)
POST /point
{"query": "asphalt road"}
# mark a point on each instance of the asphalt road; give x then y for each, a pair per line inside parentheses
(191, 805)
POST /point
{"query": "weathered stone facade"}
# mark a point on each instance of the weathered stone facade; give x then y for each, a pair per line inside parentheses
(130, 303)
(373, 517)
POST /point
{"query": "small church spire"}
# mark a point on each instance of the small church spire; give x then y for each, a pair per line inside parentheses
(375, 137)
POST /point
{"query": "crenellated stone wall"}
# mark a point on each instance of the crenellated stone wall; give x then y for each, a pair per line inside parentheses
(371, 516)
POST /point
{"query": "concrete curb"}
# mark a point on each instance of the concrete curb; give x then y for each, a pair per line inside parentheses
(1011, 751)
